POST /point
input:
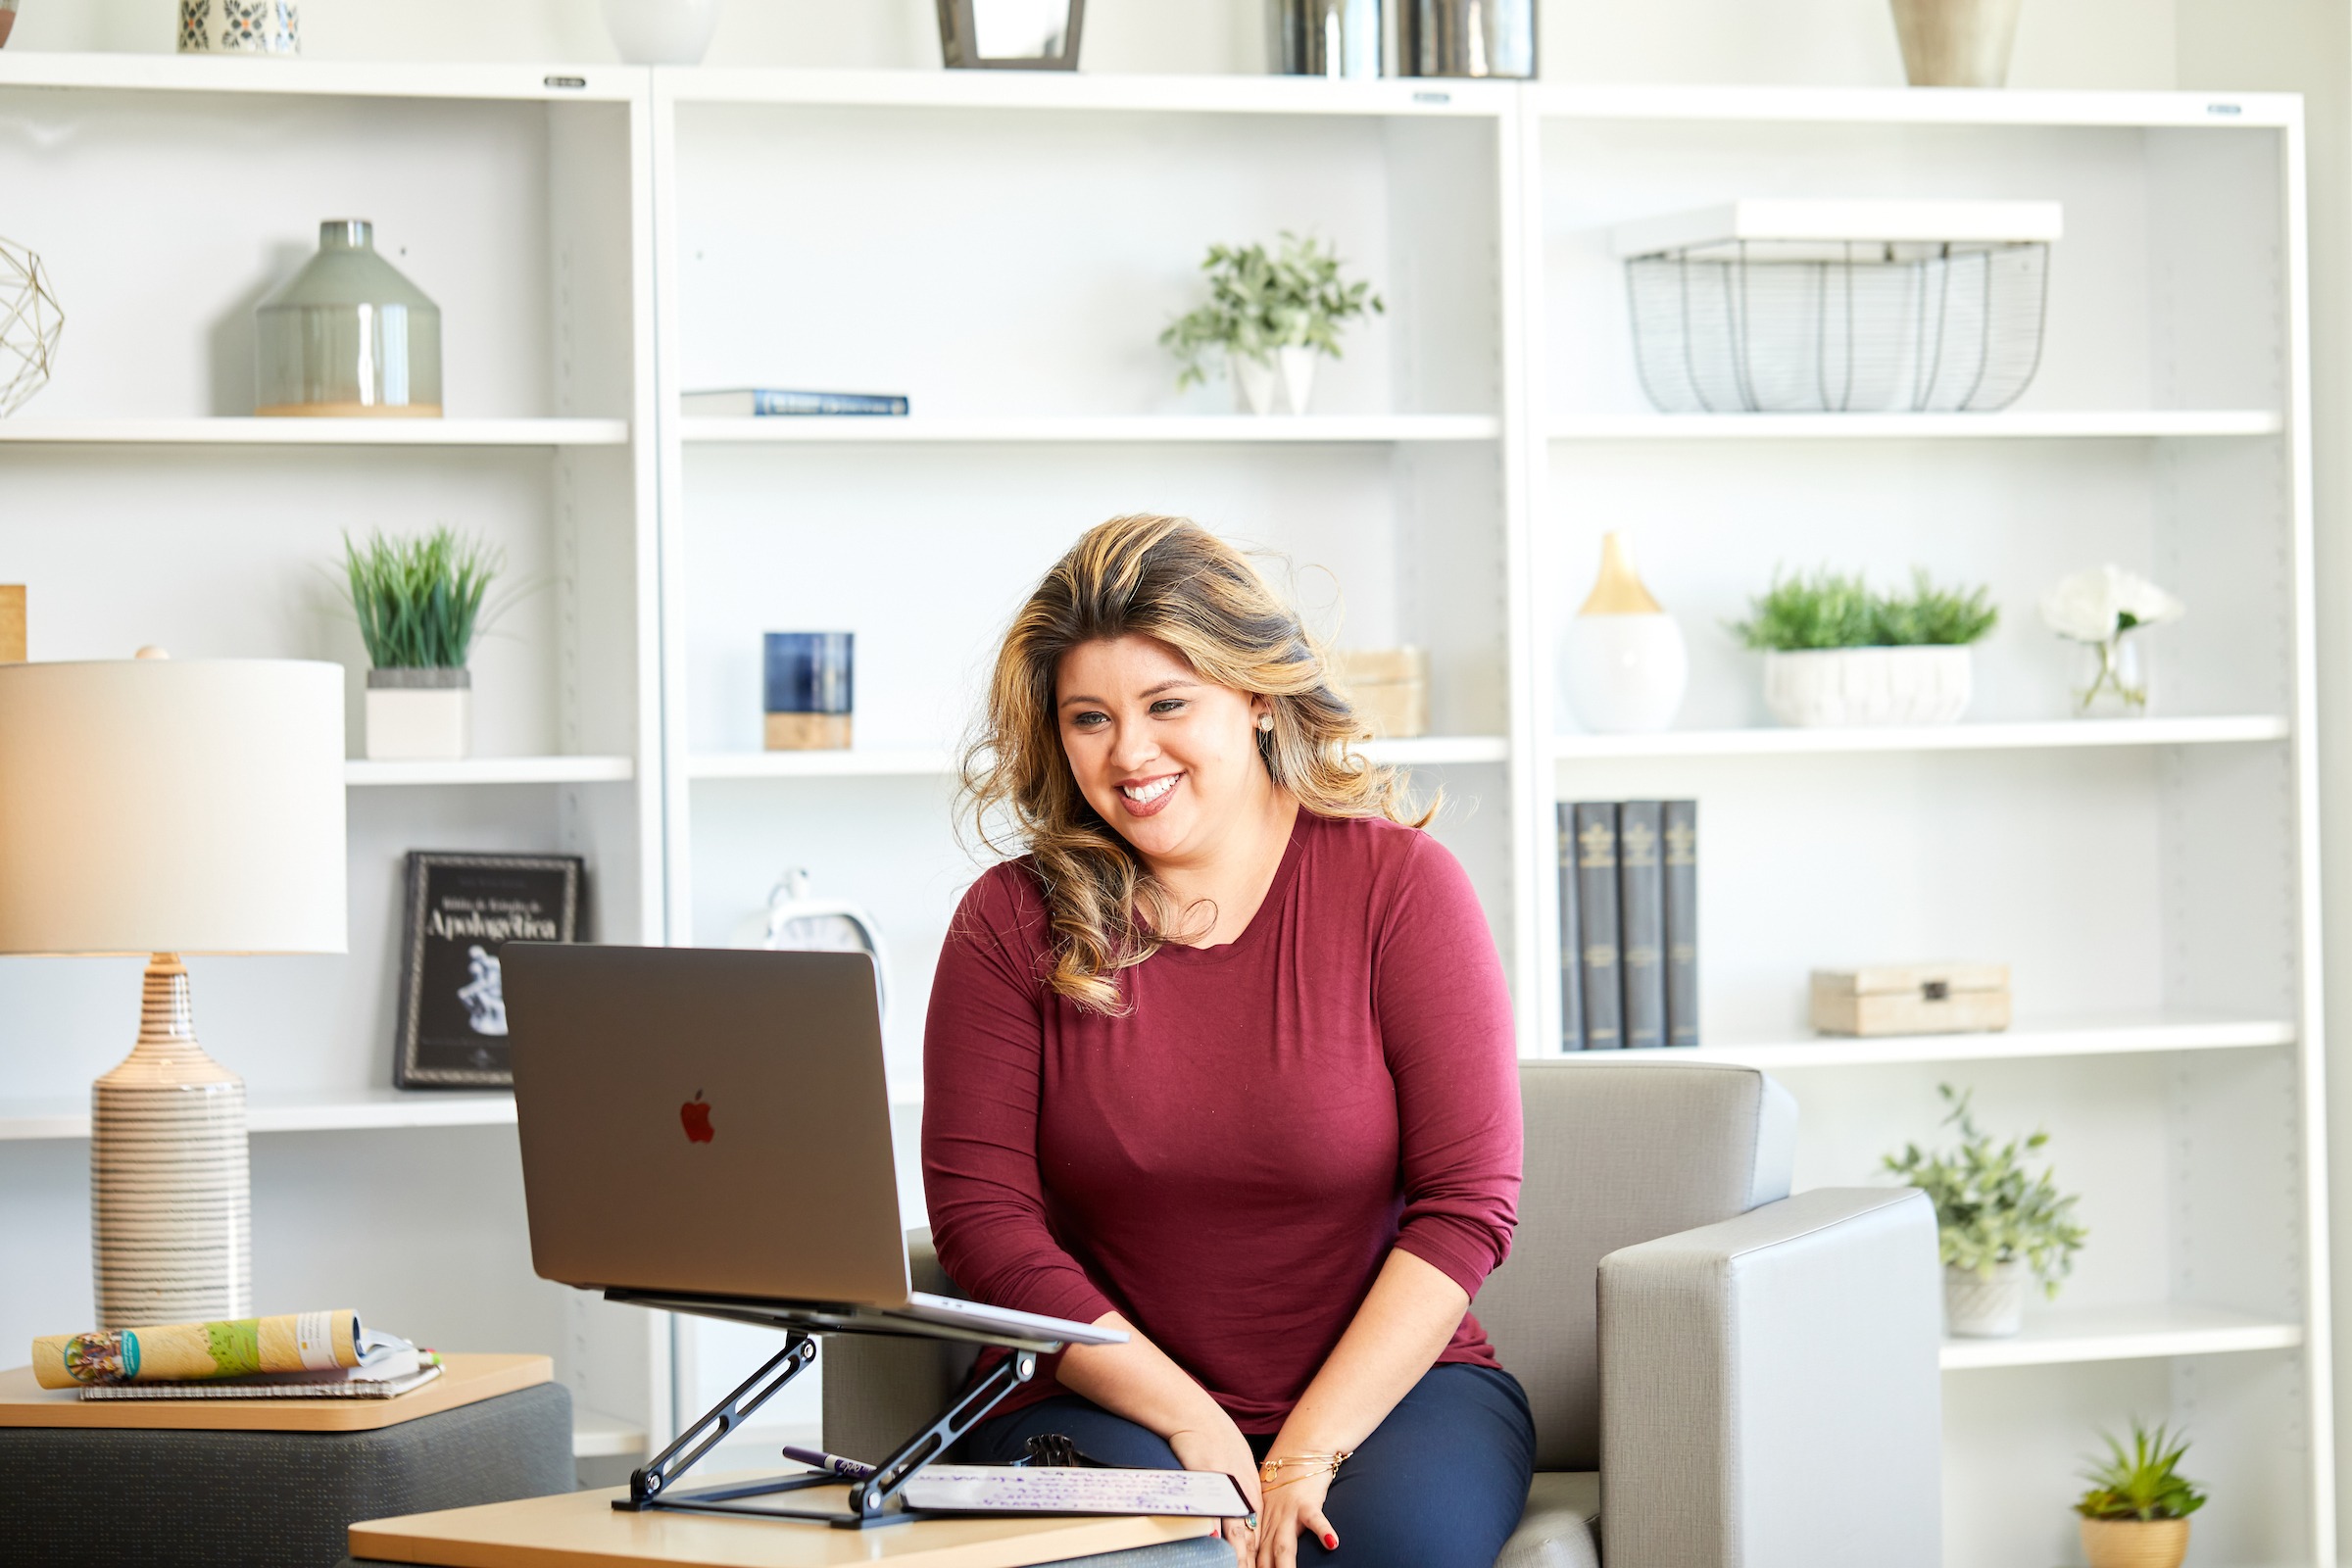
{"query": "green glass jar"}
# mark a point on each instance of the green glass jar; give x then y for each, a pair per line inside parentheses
(348, 335)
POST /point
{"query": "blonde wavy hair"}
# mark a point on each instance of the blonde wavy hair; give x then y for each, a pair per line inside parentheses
(1171, 579)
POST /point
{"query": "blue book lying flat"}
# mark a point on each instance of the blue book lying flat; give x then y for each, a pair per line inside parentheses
(763, 402)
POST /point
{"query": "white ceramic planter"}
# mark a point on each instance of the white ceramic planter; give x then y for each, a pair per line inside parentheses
(419, 715)
(1298, 366)
(1252, 385)
(1839, 687)
(662, 32)
(1625, 674)
(1980, 1308)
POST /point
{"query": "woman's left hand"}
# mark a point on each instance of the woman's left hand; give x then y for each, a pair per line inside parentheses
(1292, 1508)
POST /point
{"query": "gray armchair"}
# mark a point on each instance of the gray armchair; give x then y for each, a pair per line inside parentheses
(1751, 1378)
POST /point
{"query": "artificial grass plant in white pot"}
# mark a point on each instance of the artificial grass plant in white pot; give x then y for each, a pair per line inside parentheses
(420, 604)
(1837, 653)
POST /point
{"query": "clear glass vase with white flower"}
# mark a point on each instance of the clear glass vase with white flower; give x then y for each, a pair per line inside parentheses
(2101, 609)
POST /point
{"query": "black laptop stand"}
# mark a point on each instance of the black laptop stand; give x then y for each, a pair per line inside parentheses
(874, 1500)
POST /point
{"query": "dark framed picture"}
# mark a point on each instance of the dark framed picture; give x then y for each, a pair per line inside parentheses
(461, 910)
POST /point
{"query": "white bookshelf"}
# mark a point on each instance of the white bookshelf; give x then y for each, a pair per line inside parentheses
(2152, 884)
(603, 239)
(2061, 1337)
(1117, 429)
(2033, 735)
(2027, 1038)
(2009, 424)
(232, 430)
(360, 772)
(142, 503)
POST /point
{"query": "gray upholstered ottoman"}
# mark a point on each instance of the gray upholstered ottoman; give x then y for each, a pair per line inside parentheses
(127, 1498)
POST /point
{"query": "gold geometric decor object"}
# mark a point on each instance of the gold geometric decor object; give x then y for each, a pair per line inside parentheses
(31, 323)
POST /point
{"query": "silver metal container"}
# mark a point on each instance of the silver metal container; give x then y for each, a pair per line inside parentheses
(1325, 37)
(1467, 38)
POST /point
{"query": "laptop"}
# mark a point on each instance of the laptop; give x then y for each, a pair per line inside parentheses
(709, 1131)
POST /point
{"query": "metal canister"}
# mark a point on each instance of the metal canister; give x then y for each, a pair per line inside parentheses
(1326, 37)
(1467, 38)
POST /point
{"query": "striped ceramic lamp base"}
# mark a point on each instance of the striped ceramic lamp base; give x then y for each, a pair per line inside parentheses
(171, 1207)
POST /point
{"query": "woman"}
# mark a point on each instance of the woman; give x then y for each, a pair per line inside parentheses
(1225, 1060)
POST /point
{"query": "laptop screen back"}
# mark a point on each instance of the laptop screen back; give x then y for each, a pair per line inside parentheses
(705, 1122)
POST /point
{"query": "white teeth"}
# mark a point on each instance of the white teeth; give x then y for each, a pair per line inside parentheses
(1143, 795)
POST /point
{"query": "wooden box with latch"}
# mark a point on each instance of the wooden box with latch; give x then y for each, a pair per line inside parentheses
(1912, 999)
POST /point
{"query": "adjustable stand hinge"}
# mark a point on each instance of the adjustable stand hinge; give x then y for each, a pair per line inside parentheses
(646, 1485)
(869, 1497)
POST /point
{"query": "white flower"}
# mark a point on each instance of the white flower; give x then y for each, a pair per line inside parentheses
(2090, 607)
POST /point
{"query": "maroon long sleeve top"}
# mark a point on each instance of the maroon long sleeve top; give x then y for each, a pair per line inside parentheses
(1230, 1163)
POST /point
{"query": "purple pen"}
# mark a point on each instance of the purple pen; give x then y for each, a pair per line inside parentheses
(847, 1469)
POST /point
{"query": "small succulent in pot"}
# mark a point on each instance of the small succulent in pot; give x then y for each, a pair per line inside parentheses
(2101, 608)
(2135, 1514)
(1995, 1224)
(1267, 310)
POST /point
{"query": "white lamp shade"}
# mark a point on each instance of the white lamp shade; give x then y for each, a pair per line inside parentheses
(168, 805)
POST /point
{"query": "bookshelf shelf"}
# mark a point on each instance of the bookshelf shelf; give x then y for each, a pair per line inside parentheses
(1128, 429)
(2034, 425)
(348, 1111)
(360, 773)
(255, 433)
(2123, 1334)
(2089, 1038)
(1427, 751)
(2042, 735)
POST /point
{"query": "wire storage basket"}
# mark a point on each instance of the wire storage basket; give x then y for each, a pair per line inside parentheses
(1803, 306)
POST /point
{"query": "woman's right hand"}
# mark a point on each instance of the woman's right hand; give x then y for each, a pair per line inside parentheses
(1219, 1445)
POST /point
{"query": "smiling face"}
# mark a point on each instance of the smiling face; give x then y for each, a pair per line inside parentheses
(1166, 758)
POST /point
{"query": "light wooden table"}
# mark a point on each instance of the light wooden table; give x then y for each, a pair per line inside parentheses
(464, 1380)
(583, 1529)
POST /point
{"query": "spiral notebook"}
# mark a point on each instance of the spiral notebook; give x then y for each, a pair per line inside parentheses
(1003, 1488)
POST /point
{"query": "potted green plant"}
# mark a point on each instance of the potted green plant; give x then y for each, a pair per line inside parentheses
(1997, 1224)
(1268, 311)
(2135, 1514)
(420, 604)
(1837, 652)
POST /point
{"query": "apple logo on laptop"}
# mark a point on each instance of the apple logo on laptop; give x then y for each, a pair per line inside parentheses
(695, 1116)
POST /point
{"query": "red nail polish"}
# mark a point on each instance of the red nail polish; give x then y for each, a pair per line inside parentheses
(1330, 1543)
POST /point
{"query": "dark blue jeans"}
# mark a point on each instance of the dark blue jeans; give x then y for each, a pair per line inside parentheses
(1438, 1485)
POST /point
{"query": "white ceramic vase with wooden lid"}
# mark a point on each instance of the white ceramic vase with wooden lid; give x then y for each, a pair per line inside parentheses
(1626, 667)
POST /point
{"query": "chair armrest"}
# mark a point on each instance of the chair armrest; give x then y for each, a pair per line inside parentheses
(879, 1390)
(1770, 1396)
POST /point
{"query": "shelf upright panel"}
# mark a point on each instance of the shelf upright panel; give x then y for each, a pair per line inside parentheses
(2318, 1318)
(1535, 783)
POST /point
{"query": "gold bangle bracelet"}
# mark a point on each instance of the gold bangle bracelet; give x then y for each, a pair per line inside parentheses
(1271, 1476)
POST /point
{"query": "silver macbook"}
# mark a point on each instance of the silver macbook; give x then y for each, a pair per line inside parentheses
(710, 1131)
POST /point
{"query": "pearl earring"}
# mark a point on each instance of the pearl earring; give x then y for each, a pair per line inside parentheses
(1265, 724)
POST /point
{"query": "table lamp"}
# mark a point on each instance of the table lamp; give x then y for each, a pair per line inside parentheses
(162, 807)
